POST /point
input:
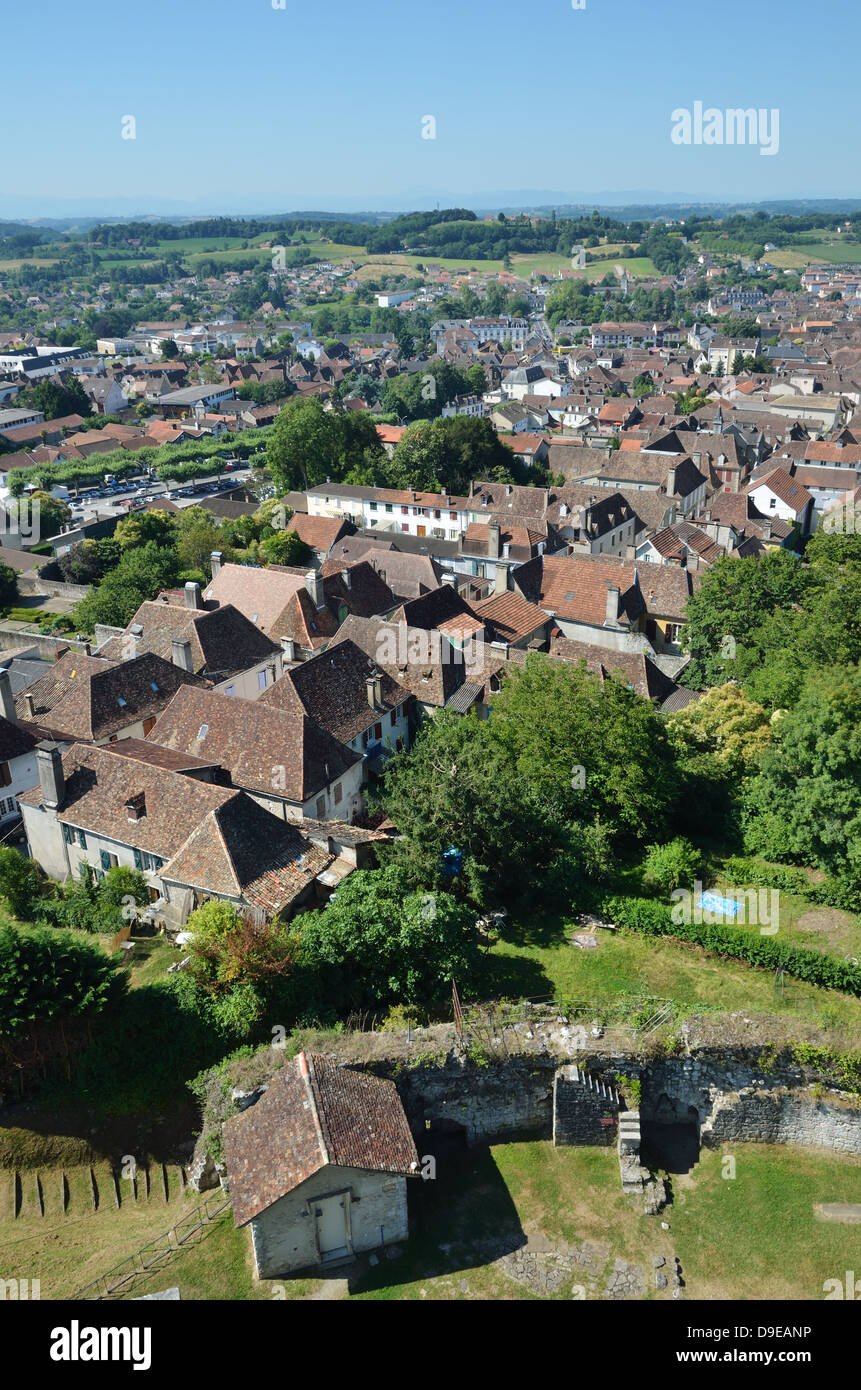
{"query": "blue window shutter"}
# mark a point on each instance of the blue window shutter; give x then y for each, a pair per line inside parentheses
(105, 858)
(67, 835)
(138, 859)
(82, 839)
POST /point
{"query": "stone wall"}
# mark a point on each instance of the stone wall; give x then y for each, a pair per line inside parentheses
(731, 1099)
(503, 1099)
(584, 1111)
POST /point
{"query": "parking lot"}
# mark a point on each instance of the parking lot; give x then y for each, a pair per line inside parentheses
(129, 496)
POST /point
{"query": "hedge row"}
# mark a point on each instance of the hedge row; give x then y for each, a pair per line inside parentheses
(734, 943)
(832, 892)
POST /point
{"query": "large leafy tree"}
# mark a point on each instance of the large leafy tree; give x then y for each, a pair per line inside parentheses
(724, 616)
(551, 718)
(724, 726)
(805, 803)
(139, 576)
(381, 942)
(308, 444)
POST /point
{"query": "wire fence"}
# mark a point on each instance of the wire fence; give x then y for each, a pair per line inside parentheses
(155, 1252)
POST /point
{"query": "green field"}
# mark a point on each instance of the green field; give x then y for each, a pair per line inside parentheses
(834, 252)
(539, 961)
(491, 1202)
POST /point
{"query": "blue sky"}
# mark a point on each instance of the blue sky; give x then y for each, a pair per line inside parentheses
(242, 106)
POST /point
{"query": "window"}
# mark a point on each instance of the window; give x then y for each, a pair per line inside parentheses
(405, 526)
(5, 775)
(452, 516)
(366, 738)
(388, 506)
(321, 807)
(82, 839)
(378, 731)
(772, 502)
(437, 515)
(148, 724)
(261, 680)
(405, 511)
(373, 506)
(339, 793)
(107, 861)
(394, 717)
(139, 859)
(231, 690)
(68, 835)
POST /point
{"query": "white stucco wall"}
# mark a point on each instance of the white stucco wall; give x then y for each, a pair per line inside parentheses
(284, 1236)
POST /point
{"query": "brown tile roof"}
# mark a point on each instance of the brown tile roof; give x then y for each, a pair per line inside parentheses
(141, 750)
(252, 741)
(408, 656)
(223, 641)
(14, 741)
(313, 1114)
(510, 615)
(245, 852)
(332, 690)
(575, 587)
(647, 679)
(89, 698)
(260, 594)
(786, 488)
(318, 532)
(215, 839)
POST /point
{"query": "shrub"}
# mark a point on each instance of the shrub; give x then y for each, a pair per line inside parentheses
(671, 865)
(21, 882)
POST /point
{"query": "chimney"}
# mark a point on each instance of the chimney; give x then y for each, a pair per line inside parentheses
(180, 653)
(378, 689)
(766, 529)
(671, 482)
(215, 560)
(136, 807)
(29, 705)
(493, 541)
(7, 701)
(345, 575)
(371, 687)
(52, 781)
(288, 648)
(192, 595)
(611, 616)
(450, 580)
(500, 579)
(88, 649)
(314, 585)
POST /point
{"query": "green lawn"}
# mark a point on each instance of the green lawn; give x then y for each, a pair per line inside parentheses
(754, 1236)
(537, 960)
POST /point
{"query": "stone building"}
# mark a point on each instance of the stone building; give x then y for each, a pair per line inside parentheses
(318, 1166)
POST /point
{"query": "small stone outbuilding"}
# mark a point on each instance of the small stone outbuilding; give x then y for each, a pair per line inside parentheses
(318, 1166)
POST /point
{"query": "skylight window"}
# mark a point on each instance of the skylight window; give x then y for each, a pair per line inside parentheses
(153, 686)
(121, 701)
(202, 731)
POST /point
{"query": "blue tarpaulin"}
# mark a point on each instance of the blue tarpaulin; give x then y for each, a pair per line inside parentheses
(712, 902)
(452, 862)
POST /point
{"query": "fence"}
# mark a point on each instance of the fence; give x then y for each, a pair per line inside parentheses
(155, 1251)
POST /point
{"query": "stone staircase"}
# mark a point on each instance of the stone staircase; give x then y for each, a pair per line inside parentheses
(598, 1088)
